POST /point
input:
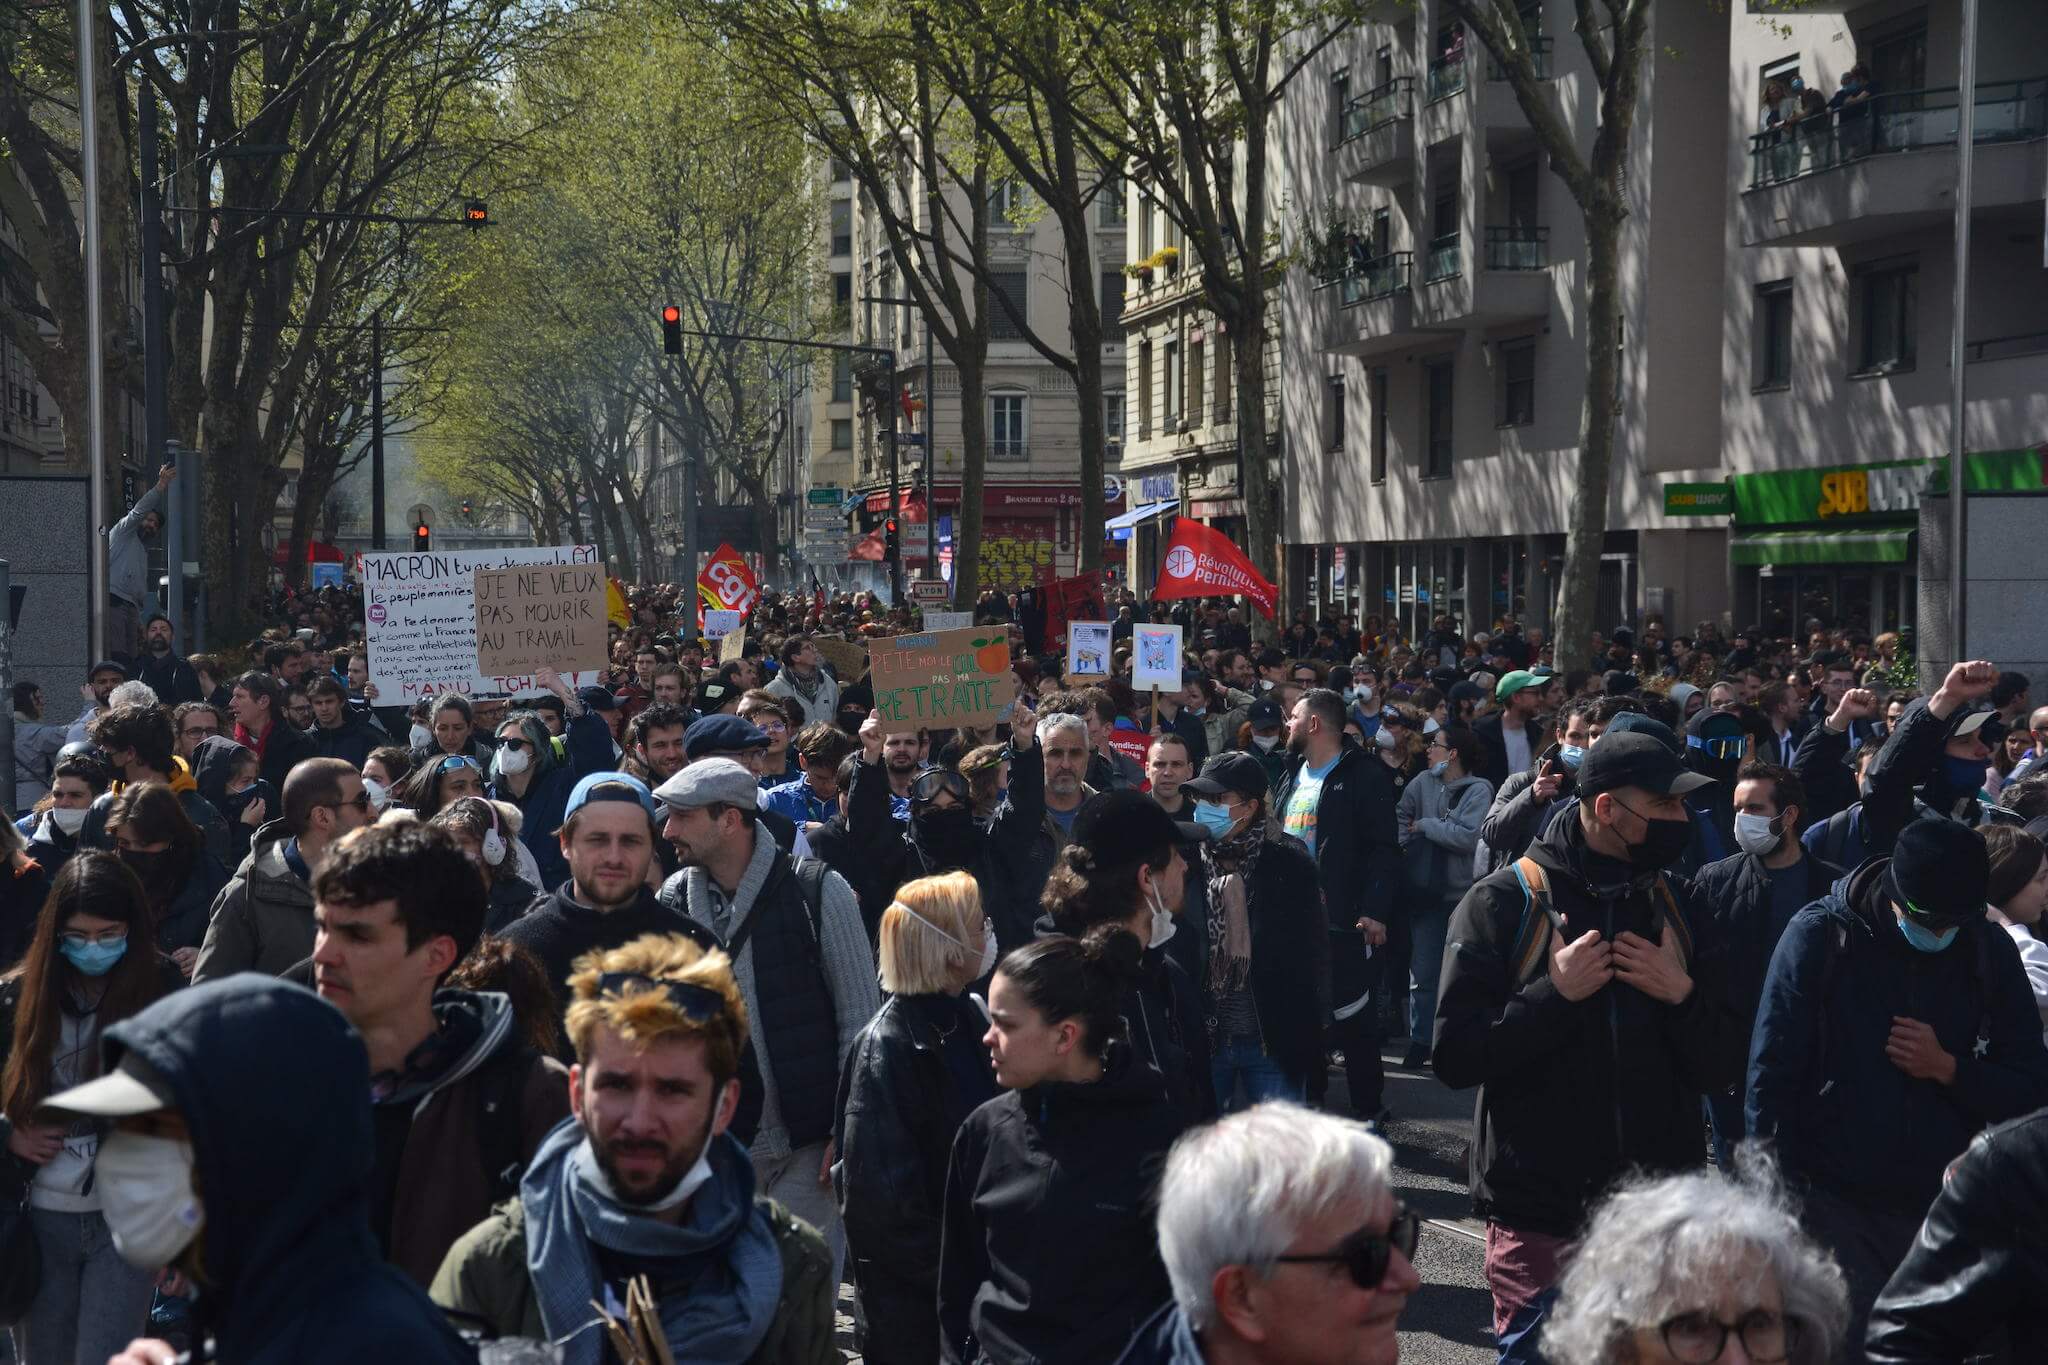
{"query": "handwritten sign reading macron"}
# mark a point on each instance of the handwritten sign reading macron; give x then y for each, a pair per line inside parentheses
(941, 679)
(540, 616)
(420, 610)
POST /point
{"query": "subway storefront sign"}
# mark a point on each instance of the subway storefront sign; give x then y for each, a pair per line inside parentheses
(1885, 492)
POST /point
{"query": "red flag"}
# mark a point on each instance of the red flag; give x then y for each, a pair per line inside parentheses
(1200, 562)
(726, 583)
(1070, 599)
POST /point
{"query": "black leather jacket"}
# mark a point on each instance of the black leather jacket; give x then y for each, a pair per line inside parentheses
(1969, 1288)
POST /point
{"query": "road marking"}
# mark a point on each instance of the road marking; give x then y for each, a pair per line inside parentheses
(1463, 1227)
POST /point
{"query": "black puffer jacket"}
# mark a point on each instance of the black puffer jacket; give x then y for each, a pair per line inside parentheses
(1163, 1020)
(913, 1076)
(1970, 1287)
(1048, 1251)
(1573, 1095)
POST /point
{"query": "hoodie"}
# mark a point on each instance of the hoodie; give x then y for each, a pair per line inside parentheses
(213, 763)
(274, 1086)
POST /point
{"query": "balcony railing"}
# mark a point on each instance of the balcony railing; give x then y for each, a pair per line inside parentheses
(2007, 111)
(1539, 57)
(1002, 449)
(1376, 278)
(1517, 248)
(1446, 78)
(2005, 348)
(1377, 107)
(1445, 260)
(1219, 414)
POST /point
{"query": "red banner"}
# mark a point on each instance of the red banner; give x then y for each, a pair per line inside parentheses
(726, 583)
(1200, 562)
(1070, 599)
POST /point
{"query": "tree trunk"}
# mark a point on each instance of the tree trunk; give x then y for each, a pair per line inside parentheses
(1586, 536)
(1256, 485)
(1085, 322)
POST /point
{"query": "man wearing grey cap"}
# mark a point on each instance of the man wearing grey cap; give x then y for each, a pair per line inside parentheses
(800, 957)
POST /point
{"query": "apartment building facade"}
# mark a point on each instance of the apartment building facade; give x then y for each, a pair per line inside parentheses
(1839, 317)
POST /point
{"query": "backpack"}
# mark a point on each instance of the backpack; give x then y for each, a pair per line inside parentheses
(1531, 950)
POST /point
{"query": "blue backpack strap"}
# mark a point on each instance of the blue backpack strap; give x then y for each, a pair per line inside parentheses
(1539, 921)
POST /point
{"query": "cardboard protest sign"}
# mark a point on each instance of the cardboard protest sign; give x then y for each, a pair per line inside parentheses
(540, 616)
(419, 610)
(848, 658)
(719, 623)
(948, 620)
(1088, 646)
(1155, 657)
(732, 646)
(941, 679)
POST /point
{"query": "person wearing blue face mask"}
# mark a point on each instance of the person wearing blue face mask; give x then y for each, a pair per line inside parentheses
(1933, 763)
(1896, 1023)
(1526, 801)
(92, 963)
(1265, 979)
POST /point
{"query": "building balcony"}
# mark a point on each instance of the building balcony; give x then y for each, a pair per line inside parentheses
(1376, 138)
(1370, 308)
(1445, 78)
(1849, 176)
(1512, 285)
(1539, 57)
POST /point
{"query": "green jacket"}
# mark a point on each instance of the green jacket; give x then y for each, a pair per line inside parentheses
(485, 1278)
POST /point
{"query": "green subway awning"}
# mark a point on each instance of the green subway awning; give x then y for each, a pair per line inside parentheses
(1848, 545)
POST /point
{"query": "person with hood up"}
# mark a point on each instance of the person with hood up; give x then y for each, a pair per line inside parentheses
(1047, 1250)
(1128, 866)
(228, 775)
(646, 1179)
(1438, 821)
(240, 1155)
(1715, 747)
(458, 1101)
(1893, 1007)
(914, 1074)
(526, 772)
(943, 834)
(151, 834)
(1582, 993)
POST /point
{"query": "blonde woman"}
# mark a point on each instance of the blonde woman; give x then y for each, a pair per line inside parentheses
(914, 1074)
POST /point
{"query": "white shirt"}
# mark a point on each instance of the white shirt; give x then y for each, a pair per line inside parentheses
(2033, 957)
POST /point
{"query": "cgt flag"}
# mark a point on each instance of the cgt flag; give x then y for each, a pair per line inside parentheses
(1200, 562)
(727, 583)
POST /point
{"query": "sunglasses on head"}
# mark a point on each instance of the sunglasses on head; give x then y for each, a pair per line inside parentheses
(1366, 1253)
(929, 783)
(699, 1004)
(454, 761)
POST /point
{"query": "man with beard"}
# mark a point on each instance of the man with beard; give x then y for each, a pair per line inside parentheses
(648, 1182)
(802, 679)
(654, 743)
(128, 565)
(170, 677)
(800, 959)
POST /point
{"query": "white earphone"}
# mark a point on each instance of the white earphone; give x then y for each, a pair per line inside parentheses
(494, 847)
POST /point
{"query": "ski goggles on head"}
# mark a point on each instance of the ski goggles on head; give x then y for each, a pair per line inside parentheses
(1725, 749)
(454, 761)
(929, 783)
(699, 1004)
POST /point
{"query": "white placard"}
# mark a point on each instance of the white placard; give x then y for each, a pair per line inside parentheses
(719, 623)
(1088, 649)
(420, 615)
(948, 620)
(1155, 658)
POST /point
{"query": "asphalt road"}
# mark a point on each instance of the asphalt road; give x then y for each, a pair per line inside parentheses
(1450, 1320)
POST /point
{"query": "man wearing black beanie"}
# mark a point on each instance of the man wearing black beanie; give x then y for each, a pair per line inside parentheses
(1896, 1023)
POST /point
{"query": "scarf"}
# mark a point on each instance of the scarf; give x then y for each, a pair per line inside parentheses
(1228, 864)
(719, 1280)
(807, 691)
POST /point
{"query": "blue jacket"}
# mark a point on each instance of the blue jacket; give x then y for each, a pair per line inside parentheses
(275, 1087)
(1844, 1118)
(590, 750)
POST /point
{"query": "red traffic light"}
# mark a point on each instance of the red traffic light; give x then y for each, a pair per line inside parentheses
(672, 330)
(671, 314)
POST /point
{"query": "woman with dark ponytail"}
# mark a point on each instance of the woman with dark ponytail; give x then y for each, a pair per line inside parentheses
(1047, 1249)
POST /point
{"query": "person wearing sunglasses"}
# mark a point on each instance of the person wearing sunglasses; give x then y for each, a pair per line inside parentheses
(527, 771)
(1312, 1265)
(263, 920)
(1893, 1007)
(1699, 1269)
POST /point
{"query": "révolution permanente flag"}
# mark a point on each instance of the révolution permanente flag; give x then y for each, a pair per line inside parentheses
(726, 584)
(1200, 562)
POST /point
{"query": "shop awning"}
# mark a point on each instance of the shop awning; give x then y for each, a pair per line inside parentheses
(1119, 528)
(1843, 545)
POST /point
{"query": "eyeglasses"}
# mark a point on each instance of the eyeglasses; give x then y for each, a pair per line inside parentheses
(78, 940)
(1367, 1253)
(202, 731)
(771, 727)
(361, 801)
(515, 744)
(699, 1004)
(1697, 1339)
(929, 783)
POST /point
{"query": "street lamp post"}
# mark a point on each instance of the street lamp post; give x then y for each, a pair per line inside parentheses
(95, 336)
(931, 511)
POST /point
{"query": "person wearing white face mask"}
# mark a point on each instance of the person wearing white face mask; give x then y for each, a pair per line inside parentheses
(914, 1074)
(526, 771)
(1755, 894)
(1127, 866)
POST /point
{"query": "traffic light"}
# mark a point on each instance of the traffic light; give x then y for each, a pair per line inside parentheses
(672, 330)
(892, 544)
(422, 536)
(468, 508)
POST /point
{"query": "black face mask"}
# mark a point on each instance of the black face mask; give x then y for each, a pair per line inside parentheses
(154, 870)
(947, 835)
(1664, 842)
(237, 802)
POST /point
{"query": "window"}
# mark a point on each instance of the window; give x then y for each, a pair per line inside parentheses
(1888, 297)
(1006, 426)
(1015, 286)
(1145, 391)
(1113, 416)
(840, 170)
(842, 290)
(1226, 380)
(1518, 382)
(1109, 202)
(842, 433)
(842, 378)
(1379, 426)
(1436, 435)
(1771, 349)
(842, 227)
(1173, 395)
(1007, 203)
(1112, 305)
(1333, 391)
(1197, 378)
(1340, 104)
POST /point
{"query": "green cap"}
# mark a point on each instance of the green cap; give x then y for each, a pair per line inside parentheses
(1514, 682)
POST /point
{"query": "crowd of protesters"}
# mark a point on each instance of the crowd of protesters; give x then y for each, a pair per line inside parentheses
(337, 1025)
